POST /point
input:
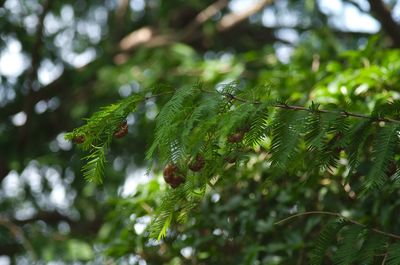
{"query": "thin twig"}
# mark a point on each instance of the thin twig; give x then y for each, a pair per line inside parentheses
(339, 216)
(301, 108)
(18, 234)
(158, 95)
(204, 16)
(230, 20)
(150, 37)
(343, 113)
(384, 259)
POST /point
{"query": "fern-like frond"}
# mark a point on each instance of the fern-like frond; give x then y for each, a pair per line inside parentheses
(285, 136)
(395, 181)
(200, 123)
(325, 239)
(393, 255)
(165, 213)
(259, 126)
(236, 118)
(177, 204)
(348, 245)
(356, 139)
(383, 151)
(166, 222)
(315, 131)
(93, 170)
(174, 106)
(372, 245)
(325, 136)
(102, 124)
(167, 124)
(387, 109)
(335, 142)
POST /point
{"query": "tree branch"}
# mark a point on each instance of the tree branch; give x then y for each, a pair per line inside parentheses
(77, 226)
(397, 237)
(32, 75)
(356, 5)
(149, 37)
(301, 108)
(18, 234)
(120, 15)
(230, 20)
(204, 16)
(383, 14)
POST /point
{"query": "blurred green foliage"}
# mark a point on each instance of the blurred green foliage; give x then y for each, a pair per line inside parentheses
(49, 213)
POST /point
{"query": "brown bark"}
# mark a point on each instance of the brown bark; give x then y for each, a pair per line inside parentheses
(383, 14)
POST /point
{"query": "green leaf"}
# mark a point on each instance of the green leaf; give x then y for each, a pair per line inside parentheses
(349, 245)
(393, 255)
(357, 136)
(259, 126)
(382, 154)
(93, 170)
(79, 250)
(325, 239)
(168, 122)
(285, 136)
(373, 244)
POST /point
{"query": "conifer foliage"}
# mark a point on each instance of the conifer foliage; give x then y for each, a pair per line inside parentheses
(200, 132)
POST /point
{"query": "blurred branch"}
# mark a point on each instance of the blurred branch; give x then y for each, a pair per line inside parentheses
(356, 5)
(383, 14)
(78, 227)
(149, 37)
(144, 35)
(10, 249)
(18, 234)
(254, 34)
(120, 15)
(343, 113)
(4, 169)
(204, 16)
(230, 20)
(32, 75)
(36, 50)
(53, 218)
(338, 215)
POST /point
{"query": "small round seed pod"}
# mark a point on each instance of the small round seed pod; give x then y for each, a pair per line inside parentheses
(236, 137)
(231, 158)
(170, 170)
(79, 139)
(122, 131)
(197, 164)
(176, 181)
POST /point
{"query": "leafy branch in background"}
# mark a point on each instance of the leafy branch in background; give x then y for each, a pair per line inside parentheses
(200, 133)
(357, 242)
(96, 135)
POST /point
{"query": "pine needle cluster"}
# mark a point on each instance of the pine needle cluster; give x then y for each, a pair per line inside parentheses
(223, 125)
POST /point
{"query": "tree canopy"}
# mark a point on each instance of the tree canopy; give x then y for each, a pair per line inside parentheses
(199, 132)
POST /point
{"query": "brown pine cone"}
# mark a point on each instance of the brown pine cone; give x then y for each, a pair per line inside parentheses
(231, 158)
(79, 139)
(197, 164)
(236, 137)
(176, 181)
(122, 131)
(171, 175)
(170, 170)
